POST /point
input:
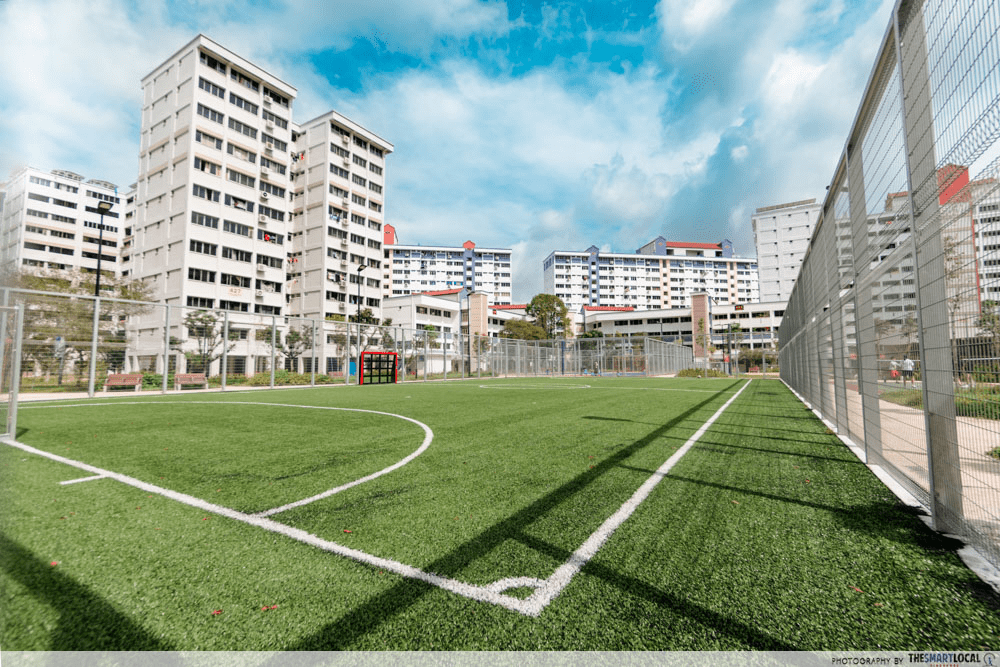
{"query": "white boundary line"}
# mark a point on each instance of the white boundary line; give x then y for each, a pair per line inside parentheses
(82, 479)
(546, 590)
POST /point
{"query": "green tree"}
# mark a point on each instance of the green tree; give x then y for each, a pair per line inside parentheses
(549, 313)
(71, 320)
(297, 341)
(432, 336)
(521, 330)
(989, 322)
(204, 330)
(593, 333)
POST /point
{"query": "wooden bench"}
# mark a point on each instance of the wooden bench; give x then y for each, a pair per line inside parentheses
(115, 381)
(187, 379)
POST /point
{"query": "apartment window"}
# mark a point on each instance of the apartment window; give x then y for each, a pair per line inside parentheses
(207, 139)
(343, 173)
(261, 309)
(38, 197)
(246, 105)
(235, 306)
(201, 275)
(275, 143)
(338, 192)
(72, 189)
(210, 87)
(214, 64)
(358, 141)
(270, 237)
(234, 280)
(273, 262)
(357, 239)
(37, 214)
(375, 187)
(61, 235)
(235, 228)
(360, 181)
(374, 224)
(376, 150)
(360, 161)
(205, 193)
(272, 213)
(342, 152)
(203, 248)
(236, 254)
(241, 153)
(206, 166)
(272, 189)
(210, 113)
(28, 245)
(372, 243)
(272, 165)
(242, 128)
(336, 233)
(375, 169)
(275, 97)
(242, 78)
(204, 220)
(242, 179)
(239, 204)
(200, 302)
(277, 120)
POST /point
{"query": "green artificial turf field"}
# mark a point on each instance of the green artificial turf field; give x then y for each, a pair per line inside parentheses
(767, 534)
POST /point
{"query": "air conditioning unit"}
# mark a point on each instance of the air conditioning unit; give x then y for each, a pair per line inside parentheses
(345, 138)
(342, 305)
(262, 218)
(268, 150)
(261, 267)
(259, 292)
(347, 161)
(346, 201)
(343, 242)
(269, 125)
(267, 101)
(264, 171)
(264, 194)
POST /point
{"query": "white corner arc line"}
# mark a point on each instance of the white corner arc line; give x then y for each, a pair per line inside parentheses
(81, 479)
(559, 579)
(428, 437)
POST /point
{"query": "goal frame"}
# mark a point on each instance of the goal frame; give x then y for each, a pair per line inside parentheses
(378, 378)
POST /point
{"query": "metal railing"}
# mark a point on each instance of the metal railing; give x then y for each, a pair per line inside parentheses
(893, 329)
(72, 343)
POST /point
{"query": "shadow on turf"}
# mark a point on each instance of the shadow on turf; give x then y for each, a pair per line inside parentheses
(86, 621)
(343, 633)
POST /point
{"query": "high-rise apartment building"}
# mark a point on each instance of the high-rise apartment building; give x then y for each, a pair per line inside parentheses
(338, 194)
(661, 274)
(415, 269)
(212, 208)
(782, 234)
(51, 221)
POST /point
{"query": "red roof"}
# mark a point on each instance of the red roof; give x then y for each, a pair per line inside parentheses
(513, 306)
(701, 246)
(442, 292)
(623, 309)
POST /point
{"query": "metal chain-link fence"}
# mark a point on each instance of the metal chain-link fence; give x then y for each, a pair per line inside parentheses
(893, 329)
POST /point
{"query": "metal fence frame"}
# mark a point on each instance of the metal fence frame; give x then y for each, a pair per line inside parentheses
(886, 332)
(73, 342)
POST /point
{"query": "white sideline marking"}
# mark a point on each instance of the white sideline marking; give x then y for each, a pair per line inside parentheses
(546, 589)
(535, 386)
(562, 576)
(82, 479)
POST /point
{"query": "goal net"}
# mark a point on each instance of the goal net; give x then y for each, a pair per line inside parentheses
(379, 368)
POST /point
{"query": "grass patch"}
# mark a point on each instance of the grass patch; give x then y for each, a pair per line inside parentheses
(982, 402)
(767, 535)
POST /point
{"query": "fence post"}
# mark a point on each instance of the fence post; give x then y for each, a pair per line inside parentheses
(166, 348)
(93, 347)
(225, 350)
(274, 344)
(937, 377)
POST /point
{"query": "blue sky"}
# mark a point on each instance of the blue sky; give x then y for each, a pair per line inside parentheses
(536, 126)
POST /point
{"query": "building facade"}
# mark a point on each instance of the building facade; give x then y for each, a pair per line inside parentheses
(338, 196)
(50, 222)
(782, 234)
(212, 208)
(414, 269)
(661, 274)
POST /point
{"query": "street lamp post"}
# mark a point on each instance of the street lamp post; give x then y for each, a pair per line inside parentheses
(102, 208)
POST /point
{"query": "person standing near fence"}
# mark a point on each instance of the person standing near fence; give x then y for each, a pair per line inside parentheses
(907, 370)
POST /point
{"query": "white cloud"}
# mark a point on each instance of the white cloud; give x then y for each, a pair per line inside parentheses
(740, 153)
